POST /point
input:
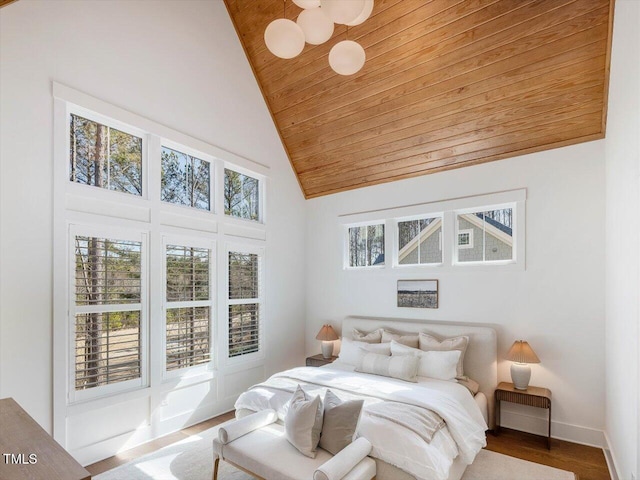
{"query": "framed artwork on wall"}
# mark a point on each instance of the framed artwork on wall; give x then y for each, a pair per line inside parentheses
(418, 293)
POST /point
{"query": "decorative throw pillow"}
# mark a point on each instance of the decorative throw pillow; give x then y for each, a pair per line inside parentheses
(303, 422)
(350, 350)
(371, 337)
(403, 367)
(410, 340)
(438, 365)
(430, 343)
(340, 422)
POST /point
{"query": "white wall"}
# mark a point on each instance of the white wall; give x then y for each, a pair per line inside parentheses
(623, 242)
(178, 63)
(557, 303)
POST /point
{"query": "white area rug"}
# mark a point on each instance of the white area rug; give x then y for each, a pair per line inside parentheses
(191, 459)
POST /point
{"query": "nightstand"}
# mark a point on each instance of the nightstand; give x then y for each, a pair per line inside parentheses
(319, 360)
(532, 396)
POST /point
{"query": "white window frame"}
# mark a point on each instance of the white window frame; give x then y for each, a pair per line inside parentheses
(260, 354)
(261, 194)
(396, 248)
(204, 368)
(73, 309)
(212, 177)
(485, 208)
(347, 244)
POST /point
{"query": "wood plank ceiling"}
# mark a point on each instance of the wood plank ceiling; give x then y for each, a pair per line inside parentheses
(446, 84)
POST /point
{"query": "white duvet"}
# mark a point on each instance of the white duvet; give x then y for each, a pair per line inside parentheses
(463, 435)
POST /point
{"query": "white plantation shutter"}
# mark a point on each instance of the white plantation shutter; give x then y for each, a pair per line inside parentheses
(244, 303)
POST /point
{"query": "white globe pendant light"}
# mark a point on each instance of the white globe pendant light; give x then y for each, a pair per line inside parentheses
(317, 27)
(347, 57)
(366, 13)
(343, 11)
(307, 3)
(284, 38)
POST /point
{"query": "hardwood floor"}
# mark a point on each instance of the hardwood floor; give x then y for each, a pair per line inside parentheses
(588, 462)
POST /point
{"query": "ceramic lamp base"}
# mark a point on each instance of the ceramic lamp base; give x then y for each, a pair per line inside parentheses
(520, 375)
(327, 349)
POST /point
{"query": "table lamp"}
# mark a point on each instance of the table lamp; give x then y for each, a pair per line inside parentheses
(521, 354)
(327, 334)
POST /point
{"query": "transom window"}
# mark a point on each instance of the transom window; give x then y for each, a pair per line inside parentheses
(366, 245)
(241, 195)
(104, 157)
(420, 241)
(186, 180)
(485, 235)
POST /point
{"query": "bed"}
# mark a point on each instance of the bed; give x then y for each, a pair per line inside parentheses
(401, 454)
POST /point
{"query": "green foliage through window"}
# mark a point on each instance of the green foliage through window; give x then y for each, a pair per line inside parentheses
(104, 157)
(186, 180)
(241, 195)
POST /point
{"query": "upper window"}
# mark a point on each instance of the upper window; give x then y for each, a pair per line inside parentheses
(420, 241)
(108, 308)
(366, 245)
(186, 180)
(188, 312)
(485, 236)
(241, 195)
(104, 157)
(244, 303)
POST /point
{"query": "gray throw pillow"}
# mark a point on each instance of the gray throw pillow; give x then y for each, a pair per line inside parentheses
(340, 422)
(303, 422)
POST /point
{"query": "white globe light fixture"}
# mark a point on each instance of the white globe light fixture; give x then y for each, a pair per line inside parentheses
(307, 3)
(284, 38)
(347, 57)
(343, 11)
(366, 13)
(317, 27)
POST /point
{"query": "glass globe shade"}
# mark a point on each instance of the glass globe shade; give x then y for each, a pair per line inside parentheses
(317, 27)
(343, 11)
(347, 57)
(307, 3)
(366, 13)
(284, 38)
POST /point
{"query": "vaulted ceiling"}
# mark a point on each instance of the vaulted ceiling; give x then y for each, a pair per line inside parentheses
(446, 84)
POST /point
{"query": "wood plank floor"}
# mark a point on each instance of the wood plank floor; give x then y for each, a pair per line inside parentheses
(588, 462)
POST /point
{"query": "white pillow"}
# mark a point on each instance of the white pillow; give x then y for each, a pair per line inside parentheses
(350, 350)
(371, 337)
(303, 422)
(430, 343)
(410, 340)
(439, 365)
(404, 367)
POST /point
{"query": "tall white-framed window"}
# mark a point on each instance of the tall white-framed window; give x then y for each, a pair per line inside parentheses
(419, 240)
(188, 305)
(245, 302)
(108, 313)
(365, 245)
(486, 235)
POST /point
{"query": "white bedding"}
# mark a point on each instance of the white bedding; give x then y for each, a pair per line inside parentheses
(463, 435)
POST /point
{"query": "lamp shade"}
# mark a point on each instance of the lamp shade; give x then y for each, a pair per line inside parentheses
(366, 13)
(317, 27)
(284, 38)
(347, 57)
(327, 334)
(521, 352)
(307, 3)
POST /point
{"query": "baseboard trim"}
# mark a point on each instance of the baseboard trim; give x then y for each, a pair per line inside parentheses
(611, 461)
(562, 431)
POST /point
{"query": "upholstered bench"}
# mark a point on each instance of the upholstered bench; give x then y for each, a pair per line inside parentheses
(257, 445)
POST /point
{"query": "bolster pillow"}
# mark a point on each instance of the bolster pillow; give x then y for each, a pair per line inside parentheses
(339, 465)
(238, 428)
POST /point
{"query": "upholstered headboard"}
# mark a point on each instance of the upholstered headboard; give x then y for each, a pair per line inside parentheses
(480, 361)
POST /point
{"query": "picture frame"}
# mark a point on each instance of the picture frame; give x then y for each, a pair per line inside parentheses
(418, 293)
